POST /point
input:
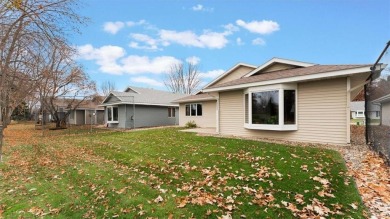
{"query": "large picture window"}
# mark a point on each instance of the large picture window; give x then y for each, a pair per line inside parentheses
(194, 109)
(270, 108)
(112, 114)
(265, 107)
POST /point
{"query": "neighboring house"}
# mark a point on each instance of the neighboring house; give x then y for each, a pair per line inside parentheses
(357, 110)
(281, 99)
(141, 107)
(384, 103)
(87, 112)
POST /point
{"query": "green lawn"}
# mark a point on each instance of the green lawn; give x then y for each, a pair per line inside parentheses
(165, 173)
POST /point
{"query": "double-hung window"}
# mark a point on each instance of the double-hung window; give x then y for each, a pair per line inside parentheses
(194, 109)
(112, 114)
(171, 112)
(271, 107)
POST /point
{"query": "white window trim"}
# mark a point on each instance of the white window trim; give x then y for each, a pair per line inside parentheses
(185, 113)
(281, 126)
(112, 115)
(357, 114)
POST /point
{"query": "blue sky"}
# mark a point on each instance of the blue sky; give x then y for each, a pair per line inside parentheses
(135, 42)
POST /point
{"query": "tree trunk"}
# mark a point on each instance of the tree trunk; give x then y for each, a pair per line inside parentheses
(1, 143)
(58, 123)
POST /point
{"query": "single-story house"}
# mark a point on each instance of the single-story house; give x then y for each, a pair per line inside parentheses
(384, 103)
(280, 99)
(358, 110)
(141, 107)
(84, 112)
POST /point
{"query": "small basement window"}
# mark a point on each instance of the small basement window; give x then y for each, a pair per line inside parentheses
(112, 114)
(271, 108)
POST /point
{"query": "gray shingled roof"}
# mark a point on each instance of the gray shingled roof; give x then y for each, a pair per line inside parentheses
(147, 96)
(359, 105)
(267, 76)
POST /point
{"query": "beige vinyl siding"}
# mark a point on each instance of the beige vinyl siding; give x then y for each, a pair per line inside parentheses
(386, 113)
(236, 74)
(321, 118)
(278, 67)
(208, 118)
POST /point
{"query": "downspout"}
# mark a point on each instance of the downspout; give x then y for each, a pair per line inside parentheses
(373, 68)
(348, 110)
(125, 115)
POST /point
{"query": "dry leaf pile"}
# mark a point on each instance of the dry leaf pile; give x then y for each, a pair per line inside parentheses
(372, 178)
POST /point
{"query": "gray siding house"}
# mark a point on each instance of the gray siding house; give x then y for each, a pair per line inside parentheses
(86, 112)
(358, 112)
(140, 107)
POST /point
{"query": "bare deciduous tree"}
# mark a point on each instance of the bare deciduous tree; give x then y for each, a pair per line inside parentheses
(183, 78)
(106, 87)
(63, 78)
(26, 27)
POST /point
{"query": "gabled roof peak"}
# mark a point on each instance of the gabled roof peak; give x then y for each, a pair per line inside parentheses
(128, 89)
(281, 61)
(228, 72)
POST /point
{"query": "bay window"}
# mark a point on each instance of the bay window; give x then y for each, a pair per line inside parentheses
(271, 107)
(112, 114)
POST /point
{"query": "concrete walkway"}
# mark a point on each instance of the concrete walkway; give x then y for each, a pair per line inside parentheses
(207, 131)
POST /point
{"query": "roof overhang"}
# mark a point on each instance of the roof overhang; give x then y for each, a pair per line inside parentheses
(324, 75)
(195, 99)
(383, 99)
(143, 104)
(279, 60)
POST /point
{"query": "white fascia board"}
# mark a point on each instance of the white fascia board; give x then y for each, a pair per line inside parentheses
(323, 75)
(228, 72)
(196, 100)
(144, 104)
(279, 60)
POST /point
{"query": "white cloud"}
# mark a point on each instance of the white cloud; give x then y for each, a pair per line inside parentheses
(150, 43)
(260, 27)
(208, 39)
(113, 27)
(200, 7)
(134, 23)
(142, 64)
(148, 81)
(106, 57)
(197, 7)
(211, 74)
(193, 60)
(258, 41)
(239, 41)
(112, 60)
(230, 28)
